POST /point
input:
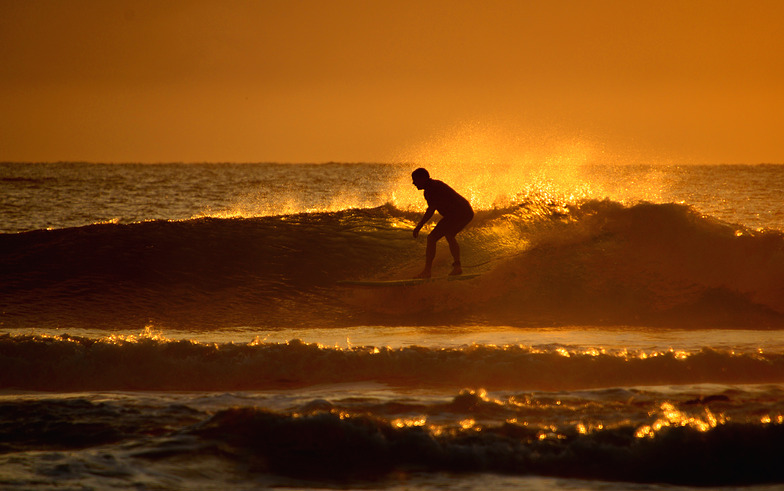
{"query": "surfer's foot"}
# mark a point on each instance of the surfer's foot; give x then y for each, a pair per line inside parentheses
(424, 274)
(456, 269)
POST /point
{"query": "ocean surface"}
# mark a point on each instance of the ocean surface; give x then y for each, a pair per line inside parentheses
(176, 326)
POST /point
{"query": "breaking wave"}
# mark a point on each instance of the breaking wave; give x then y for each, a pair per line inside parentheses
(71, 363)
(594, 263)
(623, 435)
(336, 446)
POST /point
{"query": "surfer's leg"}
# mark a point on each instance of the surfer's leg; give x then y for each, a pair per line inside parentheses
(454, 248)
(430, 253)
(451, 229)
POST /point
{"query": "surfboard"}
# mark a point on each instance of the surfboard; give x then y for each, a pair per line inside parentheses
(405, 282)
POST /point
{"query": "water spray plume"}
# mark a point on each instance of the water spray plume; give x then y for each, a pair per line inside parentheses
(494, 167)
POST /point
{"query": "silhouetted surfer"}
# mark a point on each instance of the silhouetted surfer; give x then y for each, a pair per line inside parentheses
(456, 212)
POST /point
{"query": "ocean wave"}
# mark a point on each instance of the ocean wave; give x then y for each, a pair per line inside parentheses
(542, 263)
(68, 363)
(633, 435)
(328, 445)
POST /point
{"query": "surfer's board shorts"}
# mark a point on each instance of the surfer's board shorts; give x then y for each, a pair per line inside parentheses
(451, 226)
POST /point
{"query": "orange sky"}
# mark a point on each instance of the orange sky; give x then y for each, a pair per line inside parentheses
(367, 80)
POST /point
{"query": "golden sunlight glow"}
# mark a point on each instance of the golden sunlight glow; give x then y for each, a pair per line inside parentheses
(594, 352)
(584, 429)
(149, 333)
(551, 432)
(642, 355)
(479, 162)
(249, 206)
(493, 168)
(767, 419)
(257, 341)
(467, 424)
(409, 422)
(671, 416)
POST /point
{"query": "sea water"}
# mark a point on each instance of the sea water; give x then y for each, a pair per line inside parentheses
(183, 326)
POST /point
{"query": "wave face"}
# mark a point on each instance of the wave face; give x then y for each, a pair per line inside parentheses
(596, 263)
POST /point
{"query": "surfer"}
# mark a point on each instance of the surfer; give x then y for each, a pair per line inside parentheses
(456, 213)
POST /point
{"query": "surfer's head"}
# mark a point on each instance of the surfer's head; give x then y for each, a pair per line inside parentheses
(420, 177)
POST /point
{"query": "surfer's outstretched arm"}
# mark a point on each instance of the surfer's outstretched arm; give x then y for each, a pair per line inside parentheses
(428, 215)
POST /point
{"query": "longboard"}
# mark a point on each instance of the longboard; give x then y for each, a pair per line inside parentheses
(406, 282)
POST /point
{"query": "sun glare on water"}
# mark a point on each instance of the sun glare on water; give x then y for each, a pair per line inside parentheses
(493, 166)
(670, 416)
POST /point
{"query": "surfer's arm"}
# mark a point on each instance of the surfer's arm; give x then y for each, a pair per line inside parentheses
(428, 215)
